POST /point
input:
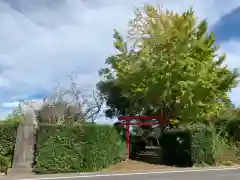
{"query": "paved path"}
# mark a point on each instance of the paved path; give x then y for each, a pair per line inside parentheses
(179, 174)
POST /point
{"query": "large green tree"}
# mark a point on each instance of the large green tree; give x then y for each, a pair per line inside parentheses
(167, 61)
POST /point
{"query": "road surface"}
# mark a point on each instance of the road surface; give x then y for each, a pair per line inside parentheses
(179, 174)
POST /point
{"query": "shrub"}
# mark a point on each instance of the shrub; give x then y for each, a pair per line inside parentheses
(8, 133)
(202, 146)
(208, 146)
(196, 144)
(233, 130)
(72, 148)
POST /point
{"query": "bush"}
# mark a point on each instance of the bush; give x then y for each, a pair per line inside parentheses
(74, 148)
(234, 130)
(231, 129)
(208, 146)
(202, 146)
(195, 144)
(8, 133)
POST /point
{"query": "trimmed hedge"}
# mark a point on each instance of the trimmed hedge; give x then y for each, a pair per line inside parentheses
(73, 148)
(193, 145)
(8, 133)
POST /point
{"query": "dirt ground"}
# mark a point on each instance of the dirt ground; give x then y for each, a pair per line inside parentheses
(131, 165)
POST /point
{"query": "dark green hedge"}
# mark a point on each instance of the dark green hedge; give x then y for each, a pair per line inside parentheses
(73, 148)
(176, 148)
(191, 145)
(8, 133)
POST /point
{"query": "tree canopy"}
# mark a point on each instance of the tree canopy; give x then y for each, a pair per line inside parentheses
(167, 61)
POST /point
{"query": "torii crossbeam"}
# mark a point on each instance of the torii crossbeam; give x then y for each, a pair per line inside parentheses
(126, 120)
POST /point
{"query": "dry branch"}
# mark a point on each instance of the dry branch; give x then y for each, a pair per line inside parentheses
(72, 105)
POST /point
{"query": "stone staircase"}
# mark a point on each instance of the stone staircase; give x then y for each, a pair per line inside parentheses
(150, 155)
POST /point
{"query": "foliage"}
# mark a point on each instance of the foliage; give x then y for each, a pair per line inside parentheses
(73, 148)
(229, 129)
(8, 133)
(196, 145)
(16, 115)
(208, 146)
(228, 124)
(116, 101)
(202, 145)
(167, 60)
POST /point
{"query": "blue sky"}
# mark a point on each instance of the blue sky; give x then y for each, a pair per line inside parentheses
(42, 42)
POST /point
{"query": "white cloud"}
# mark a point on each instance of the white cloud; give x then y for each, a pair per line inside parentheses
(232, 49)
(42, 42)
(10, 104)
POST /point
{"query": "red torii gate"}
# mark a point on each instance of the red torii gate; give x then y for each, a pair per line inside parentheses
(126, 120)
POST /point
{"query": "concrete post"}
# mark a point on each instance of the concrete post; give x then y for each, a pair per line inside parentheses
(25, 142)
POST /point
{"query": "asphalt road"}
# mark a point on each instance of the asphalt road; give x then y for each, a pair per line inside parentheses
(213, 175)
(182, 174)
